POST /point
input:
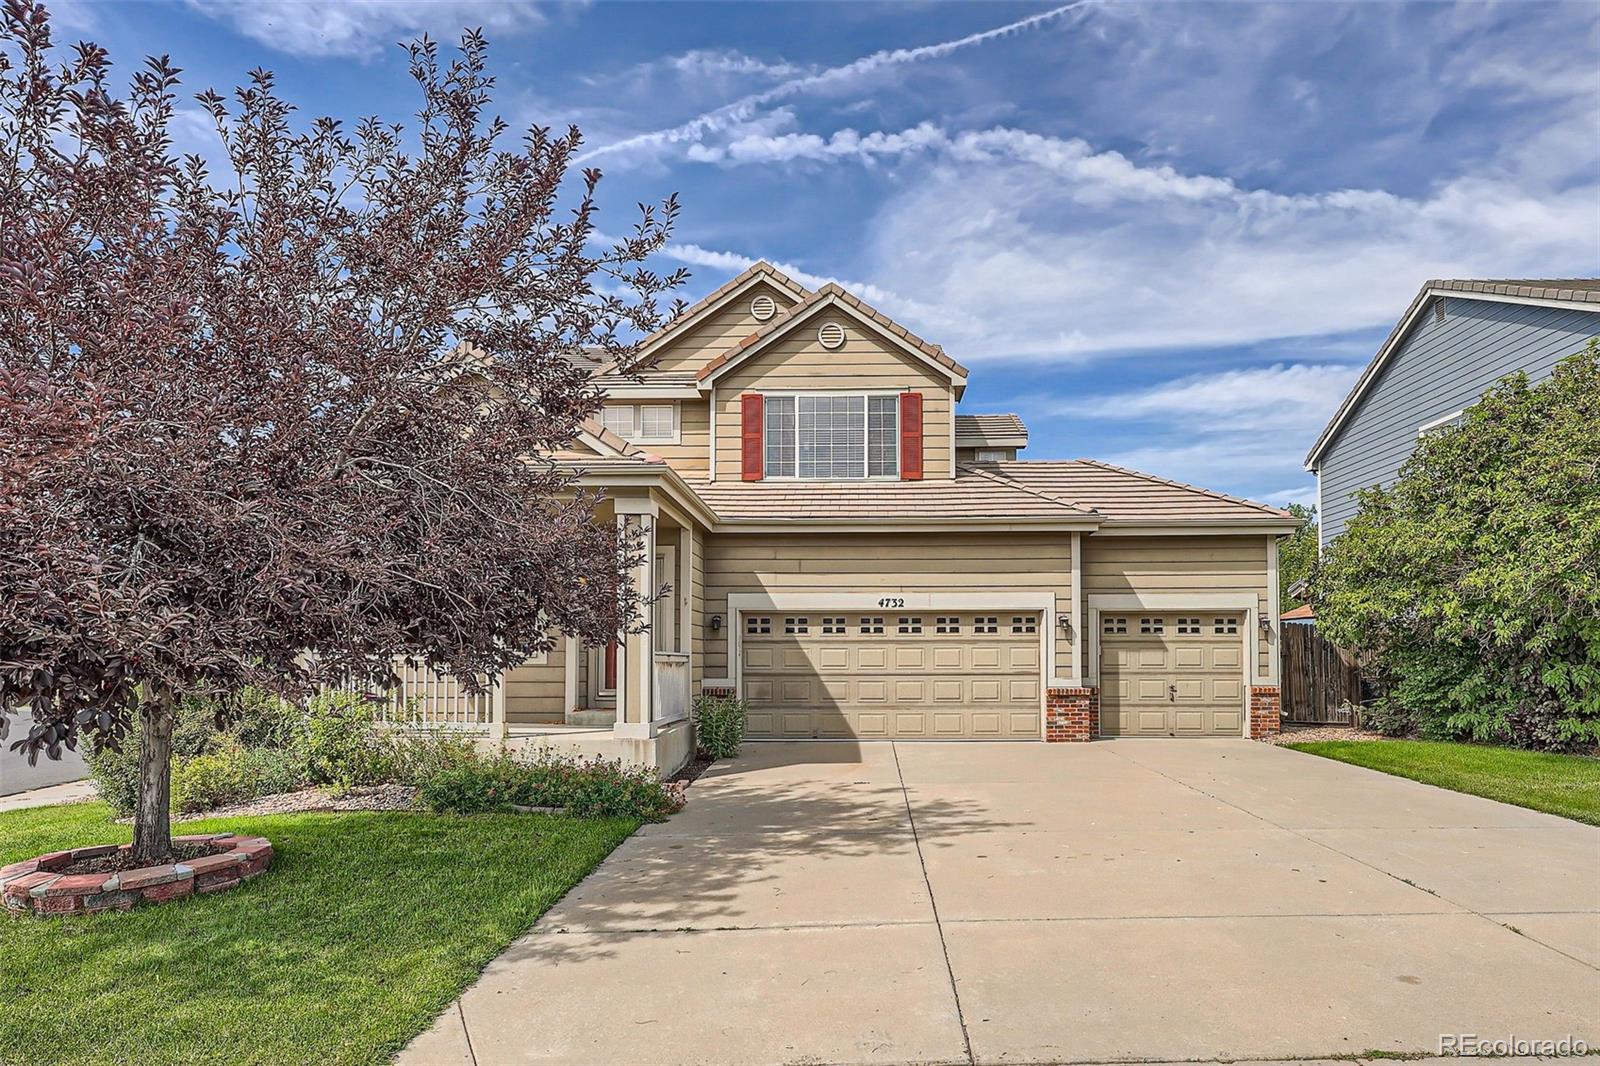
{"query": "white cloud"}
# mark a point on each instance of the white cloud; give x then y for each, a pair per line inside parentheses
(1296, 396)
(830, 79)
(362, 28)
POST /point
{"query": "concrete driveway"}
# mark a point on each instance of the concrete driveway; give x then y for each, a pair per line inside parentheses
(1029, 903)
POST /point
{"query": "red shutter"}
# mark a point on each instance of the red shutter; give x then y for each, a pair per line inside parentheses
(750, 411)
(911, 436)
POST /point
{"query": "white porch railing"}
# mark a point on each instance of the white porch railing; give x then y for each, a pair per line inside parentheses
(672, 686)
(433, 701)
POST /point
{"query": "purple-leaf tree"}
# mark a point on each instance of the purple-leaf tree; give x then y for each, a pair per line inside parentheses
(279, 425)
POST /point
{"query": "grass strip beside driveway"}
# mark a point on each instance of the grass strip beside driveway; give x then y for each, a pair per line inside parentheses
(365, 928)
(1568, 785)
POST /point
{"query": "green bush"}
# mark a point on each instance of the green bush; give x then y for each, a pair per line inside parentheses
(342, 742)
(719, 725)
(1469, 586)
(213, 779)
(597, 788)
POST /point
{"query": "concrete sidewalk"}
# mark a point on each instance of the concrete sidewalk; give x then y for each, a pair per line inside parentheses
(70, 792)
(1030, 903)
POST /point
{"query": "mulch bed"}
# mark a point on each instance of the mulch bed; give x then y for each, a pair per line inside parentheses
(118, 861)
(691, 770)
(315, 801)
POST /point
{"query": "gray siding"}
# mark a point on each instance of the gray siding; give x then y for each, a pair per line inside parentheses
(1441, 367)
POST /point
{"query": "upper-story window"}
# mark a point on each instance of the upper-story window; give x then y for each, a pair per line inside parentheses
(1441, 424)
(992, 455)
(833, 436)
(642, 423)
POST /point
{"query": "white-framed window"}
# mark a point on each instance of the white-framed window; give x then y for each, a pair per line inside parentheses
(910, 625)
(832, 436)
(986, 623)
(1188, 627)
(755, 627)
(1113, 626)
(1224, 627)
(992, 455)
(832, 625)
(871, 625)
(1152, 625)
(1023, 623)
(947, 623)
(1442, 423)
(642, 423)
(796, 626)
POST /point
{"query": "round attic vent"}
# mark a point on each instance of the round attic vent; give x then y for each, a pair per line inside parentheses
(763, 307)
(830, 335)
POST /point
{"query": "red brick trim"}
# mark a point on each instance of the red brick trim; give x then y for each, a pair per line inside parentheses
(33, 886)
(1265, 705)
(1071, 714)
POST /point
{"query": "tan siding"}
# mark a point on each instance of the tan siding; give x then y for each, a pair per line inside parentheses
(865, 362)
(698, 346)
(881, 564)
(535, 691)
(1178, 565)
(697, 610)
(691, 455)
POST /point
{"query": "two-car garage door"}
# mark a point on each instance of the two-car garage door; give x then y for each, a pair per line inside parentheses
(892, 675)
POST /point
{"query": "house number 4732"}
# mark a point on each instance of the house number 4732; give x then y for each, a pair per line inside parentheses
(892, 601)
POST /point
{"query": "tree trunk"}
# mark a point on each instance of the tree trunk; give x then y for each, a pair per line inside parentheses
(152, 827)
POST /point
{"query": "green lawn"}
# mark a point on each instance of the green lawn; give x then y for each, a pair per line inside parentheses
(1568, 785)
(365, 928)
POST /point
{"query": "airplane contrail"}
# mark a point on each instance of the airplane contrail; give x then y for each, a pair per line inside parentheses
(740, 109)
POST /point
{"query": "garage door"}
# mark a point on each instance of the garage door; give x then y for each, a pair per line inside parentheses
(1177, 675)
(883, 676)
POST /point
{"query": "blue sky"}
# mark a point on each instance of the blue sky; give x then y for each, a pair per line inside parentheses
(1169, 235)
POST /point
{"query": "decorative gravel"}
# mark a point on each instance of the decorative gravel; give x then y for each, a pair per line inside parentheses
(1305, 734)
(363, 798)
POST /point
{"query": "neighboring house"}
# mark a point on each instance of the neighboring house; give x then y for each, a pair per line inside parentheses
(1302, 615)
(1453, 343)
(857, 560)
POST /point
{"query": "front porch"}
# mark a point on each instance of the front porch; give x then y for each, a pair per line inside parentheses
(630, 700)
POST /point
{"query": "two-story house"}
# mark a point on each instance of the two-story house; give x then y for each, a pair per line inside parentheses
(1453, 343)
(858, 560)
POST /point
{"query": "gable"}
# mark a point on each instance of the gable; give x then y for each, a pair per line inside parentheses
(721, 330)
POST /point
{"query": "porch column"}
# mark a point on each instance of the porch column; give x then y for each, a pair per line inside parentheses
(636, 663)
(570, 651)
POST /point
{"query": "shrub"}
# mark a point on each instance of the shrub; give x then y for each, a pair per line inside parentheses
(719, 725)
(1469, 585)
(214, 778)
(596, 788)
(343, 745)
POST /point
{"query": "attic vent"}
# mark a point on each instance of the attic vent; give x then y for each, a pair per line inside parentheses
(763, 307)
(830, 335)
(1438, 309)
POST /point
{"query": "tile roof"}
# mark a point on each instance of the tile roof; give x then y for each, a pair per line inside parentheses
(832, 292)
(973, 495)
(1296, 614)
(1122, 495)
(1578, 290)
(981, 426)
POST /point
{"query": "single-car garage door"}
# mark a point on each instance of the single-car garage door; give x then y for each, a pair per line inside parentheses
(1176, 675)
(891, 675)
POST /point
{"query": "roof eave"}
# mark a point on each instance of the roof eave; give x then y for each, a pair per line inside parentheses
(1201, 526)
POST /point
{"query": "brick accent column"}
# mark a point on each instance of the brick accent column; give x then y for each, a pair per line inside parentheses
(1071, 714)
(1265, 704)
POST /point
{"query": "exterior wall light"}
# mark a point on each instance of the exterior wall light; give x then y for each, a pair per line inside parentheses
(1064, 622)
(716, 622)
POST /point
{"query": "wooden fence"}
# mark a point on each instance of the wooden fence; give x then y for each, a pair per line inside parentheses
(1320, 679)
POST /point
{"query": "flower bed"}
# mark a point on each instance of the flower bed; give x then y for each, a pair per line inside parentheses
(46, 886)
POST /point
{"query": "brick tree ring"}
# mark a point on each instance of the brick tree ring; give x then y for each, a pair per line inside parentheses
(48, 886)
